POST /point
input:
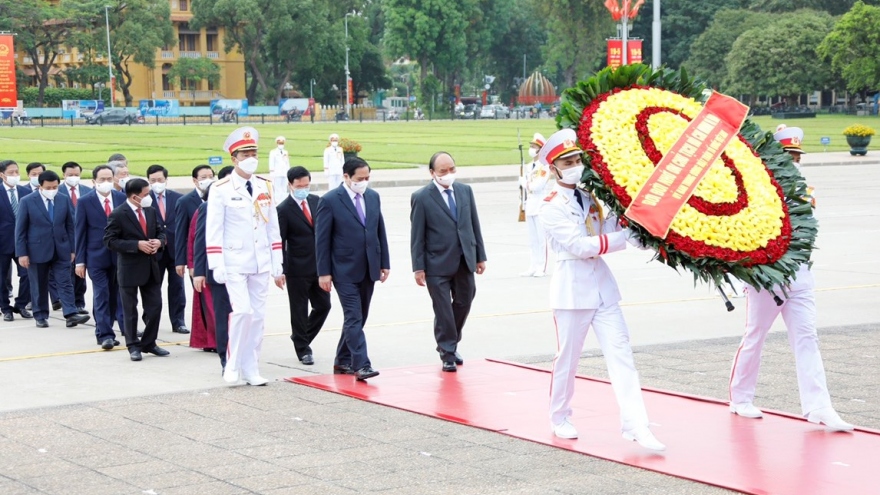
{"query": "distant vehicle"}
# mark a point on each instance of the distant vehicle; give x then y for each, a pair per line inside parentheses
(112, 116)
(494, 112)
(468, 111)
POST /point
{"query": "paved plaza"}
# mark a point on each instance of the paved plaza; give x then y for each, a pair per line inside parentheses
(78, 420)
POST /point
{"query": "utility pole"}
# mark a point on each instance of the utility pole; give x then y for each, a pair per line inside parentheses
(655, 45)
(109, 57)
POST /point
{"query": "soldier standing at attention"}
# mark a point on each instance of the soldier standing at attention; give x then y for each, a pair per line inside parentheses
(538, 183)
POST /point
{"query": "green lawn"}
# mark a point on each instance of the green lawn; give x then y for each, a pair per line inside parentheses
(385, 145)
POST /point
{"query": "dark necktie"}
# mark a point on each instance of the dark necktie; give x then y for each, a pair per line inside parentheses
(73, 197)
(249, 188)
(107, 206)
(51, 211)
(580, 200)
(452, 207)
(13, 201)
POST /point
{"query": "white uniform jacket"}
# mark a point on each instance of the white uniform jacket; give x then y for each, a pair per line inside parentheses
(539, 184)
(333, 160)
(581, 280)
(279, 163)
(241, 231)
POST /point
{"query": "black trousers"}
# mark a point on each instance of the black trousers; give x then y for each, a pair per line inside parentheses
(176, 293)
(451, 297)
(355, 301)
(304, 326)
(222, 309)
(151, 297)
(8, 265)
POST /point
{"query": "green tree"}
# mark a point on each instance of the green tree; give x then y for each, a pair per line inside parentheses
(576, 33)
(852, 47)
(780, 59)
(833, 7)
(523, 34)
(194, 70)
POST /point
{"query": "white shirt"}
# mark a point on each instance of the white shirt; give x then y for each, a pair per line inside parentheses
(46, 201)
(444, 195)
(351, 195)
(133, 206)
(12, 191)
(101, 199)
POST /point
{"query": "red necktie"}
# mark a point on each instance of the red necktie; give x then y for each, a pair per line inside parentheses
(73, 195)
(306, 211)
(143, 221)
(161, 206)
(107, 206)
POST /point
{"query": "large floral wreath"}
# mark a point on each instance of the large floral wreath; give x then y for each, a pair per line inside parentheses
(747, 217)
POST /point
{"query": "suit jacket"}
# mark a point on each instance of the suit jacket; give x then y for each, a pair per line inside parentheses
(81, 190)
(91, 221)
(185, 209)
(200, 254)
(169, 224)
(298, 237)
(7, 220)
(437, 241)
(134, 267)
(39, 238)
(344, 247)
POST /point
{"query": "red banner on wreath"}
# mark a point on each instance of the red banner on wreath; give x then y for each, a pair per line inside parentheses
(676, 177)
(8, 94)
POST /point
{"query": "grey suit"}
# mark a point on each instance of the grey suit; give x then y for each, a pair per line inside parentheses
(447, 246)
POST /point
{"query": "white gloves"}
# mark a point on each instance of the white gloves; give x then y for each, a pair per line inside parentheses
(220, 275)
(633, 240)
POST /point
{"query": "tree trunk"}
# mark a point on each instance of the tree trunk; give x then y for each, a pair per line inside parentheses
(124, 82)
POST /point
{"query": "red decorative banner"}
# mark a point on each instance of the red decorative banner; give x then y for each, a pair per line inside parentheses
(8, 94)
(615, 52)
(674, 179)
(634, 51)
(350, 91)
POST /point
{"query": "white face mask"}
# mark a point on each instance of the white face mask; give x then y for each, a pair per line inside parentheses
(281, 146)
(72, 180)
(123, 181)
(533, 152)
(446, 180)
(49, 193)
(204, 183)
(157, 187)
(12, 180)
(334, 144)
(359, 187)
(104, 187)
(35, 181)
(572, 176)
(146, 201)
(249, 165)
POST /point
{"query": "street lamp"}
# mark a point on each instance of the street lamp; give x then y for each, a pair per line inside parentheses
(347, 73)
(100, 87)
(312, 89)
(109, 57)
(287, 88)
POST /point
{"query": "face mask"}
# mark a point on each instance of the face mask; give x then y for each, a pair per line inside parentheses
(204, 183)
(280, 146)
(104, 187)
(572, 176)
(334, 144)
(49, 193)
(300, 194)
(12, 180)
(446, 180)
(122, 182)
(35, 181)
(533, 152)
(158, 187)
(72, 181)
(146, 201)
(359, 187)
(249, 165)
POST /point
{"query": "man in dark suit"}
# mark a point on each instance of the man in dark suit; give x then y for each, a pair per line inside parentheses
(44, 243)
(352, 253)
(165, 203)
(33, 170)
(135, 234)
(298, 238)
(92, 213)
(9, 208)
(447, 248)
(73, 189)
(203, 176)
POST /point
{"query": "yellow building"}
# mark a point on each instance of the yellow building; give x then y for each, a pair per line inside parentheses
(153, 83)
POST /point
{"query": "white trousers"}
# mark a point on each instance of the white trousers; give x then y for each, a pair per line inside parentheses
(537, 243)
(571, 331)
(333, 181)
(799, 313)
(280, 189)
(247, 296)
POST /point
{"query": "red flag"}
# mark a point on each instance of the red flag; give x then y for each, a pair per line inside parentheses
(635, 10)
(614, 8)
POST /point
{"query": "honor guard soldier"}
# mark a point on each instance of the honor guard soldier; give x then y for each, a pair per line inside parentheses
(798, 310)
(243, 244)
(583, 293)
(279, 164)
(538, 184)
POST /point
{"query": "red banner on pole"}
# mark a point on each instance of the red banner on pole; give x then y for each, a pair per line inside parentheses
(350, 91)
(615, 53)
(8, 94)
(634, 51)
(674, 179)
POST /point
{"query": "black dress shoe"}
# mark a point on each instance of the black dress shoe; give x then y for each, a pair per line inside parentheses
(56, 305)
(135, 355)
(75, 319)
(115, 343)
(180, 330)
(157, 351)
(209, 349)
(82, 311)
(307, 359)
(8, 317)
(458, 359)
(342, 369)
(449, 366)
(365, 372)
(107, 344)
(140, 335)
(42, 323)
(24, 312)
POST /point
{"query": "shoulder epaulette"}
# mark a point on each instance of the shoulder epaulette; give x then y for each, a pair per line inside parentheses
(222, 181)
(551, 196)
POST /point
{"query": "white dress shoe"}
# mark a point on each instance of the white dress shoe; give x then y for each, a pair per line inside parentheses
(231, 376)
(538, 274)
(255, 380)
(565, 429)
(645, 438)
(527, 273)
(829, 417)
(746, 410)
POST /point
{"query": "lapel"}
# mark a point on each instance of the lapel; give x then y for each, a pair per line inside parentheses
(349, 203)
(300, 214)
(132, 217)
(436, 196)
(42, 206)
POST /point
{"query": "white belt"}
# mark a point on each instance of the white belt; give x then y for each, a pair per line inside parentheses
(565, 256)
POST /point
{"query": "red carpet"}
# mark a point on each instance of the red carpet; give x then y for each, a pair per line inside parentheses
(779, 454)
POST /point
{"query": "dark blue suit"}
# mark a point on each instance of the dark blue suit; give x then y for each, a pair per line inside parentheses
(222, 307)
(100, 262)
(167, 262)
(49, 244)
(353, 253)
(7, 251)
(79, 284)
(185, 209)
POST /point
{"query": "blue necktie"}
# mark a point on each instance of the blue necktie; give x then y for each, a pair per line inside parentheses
(580, 201)
(452, 208)
(249, 188)
(51, 211)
